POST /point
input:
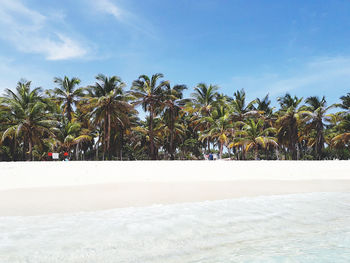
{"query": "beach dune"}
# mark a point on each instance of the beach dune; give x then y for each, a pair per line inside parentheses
(38, 188)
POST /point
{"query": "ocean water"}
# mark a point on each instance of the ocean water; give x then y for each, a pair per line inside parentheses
(311, 227)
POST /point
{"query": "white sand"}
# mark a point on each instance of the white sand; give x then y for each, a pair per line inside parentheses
(34, 188)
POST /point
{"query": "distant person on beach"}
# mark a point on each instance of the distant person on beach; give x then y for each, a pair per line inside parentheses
(211, 157)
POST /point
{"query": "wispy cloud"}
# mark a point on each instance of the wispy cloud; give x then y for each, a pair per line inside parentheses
(141, 25)
(111, 8)
(29, 31)
(320, 76)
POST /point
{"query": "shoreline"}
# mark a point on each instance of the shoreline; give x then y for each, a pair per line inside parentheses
(66, 187)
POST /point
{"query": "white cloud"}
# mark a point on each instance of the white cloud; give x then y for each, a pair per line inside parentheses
(59, 47)
(110, 8)
(29, 31)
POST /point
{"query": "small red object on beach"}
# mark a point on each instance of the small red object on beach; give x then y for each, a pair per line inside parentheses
(65, 154)
(49, 154)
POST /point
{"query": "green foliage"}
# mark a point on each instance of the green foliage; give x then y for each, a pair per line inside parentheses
(101, 122)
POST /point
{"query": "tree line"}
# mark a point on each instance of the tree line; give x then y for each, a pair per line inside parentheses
(101, 122)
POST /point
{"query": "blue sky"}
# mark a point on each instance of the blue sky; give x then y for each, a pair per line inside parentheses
(271, 46)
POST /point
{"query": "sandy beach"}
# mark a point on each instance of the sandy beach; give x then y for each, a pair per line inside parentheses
(38, 188)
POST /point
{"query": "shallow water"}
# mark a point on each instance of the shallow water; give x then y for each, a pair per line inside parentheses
(292, 228)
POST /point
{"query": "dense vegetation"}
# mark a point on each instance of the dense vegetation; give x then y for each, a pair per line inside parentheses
(100, 122)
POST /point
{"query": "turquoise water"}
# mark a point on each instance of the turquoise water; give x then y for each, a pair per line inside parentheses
(292, 228)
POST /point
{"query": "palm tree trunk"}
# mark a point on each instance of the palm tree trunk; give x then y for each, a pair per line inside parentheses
(293, 150)
(320, 141)
(77, 152)
(97, 150)
(104, 136)
(256, 152)
(172, 157)
(69, 111)
(285, 153)
(294, 140)
(121, 143)
(298, 151)
(30, 149)
(24, 148)
(109, 136)
(152, 154)
(13, 149)
(221, 150)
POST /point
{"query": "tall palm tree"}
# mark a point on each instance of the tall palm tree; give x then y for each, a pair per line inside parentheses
(150, 95)
(67, 94)
(173, 104)
(316, 110)
(108, 105)
(204, 99)
(240, 110)
(289, 116)
(220, 128)
(27, 115)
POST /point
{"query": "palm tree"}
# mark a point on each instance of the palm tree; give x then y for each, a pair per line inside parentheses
(150, 95)
(316, 112)
(240, 109)
(67, 94)
(108, 105)
(253, 135)
(341, 136)
(220, 128)
(27, 115)
(263, 105)
(204, 99)
(342, 140)
(139, 140)
(173, 104)
(189, 142)
(345, 102)
(289, 116)
(67, 135)
(7, 150)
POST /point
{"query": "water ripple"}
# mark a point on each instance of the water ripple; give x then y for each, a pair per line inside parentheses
(292, 228)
